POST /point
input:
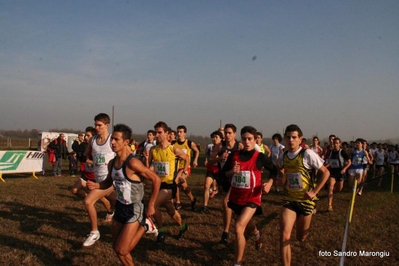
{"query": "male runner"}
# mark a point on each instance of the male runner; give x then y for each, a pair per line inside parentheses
(162, 159)
(127, 173)
(186, 146)
(229, 145)
(99, 153)
(299, 190)
(244, 168)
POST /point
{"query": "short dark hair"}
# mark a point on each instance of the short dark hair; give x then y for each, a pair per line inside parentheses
(249, 129)
(231, 126)
(259, 134)
(162, 125)
(182, 127)
(277, 136)
(125, 130)
(292, 128)
(151, 131)
(217, 133)
(103, 118)
(92, 130)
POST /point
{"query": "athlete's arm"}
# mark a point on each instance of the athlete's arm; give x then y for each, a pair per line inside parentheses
(103, 185)
(149, 161)
(325, 174)
(139, 168)
(180, 153)
(88, 152)
(196, 153)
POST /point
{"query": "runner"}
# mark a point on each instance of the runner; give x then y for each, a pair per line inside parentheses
(187, 146)
(381, 157)
(276, 149)
(263, 147)
(99, 153)
(78, 189)
(127, 173)
(162, 159)
(356, 168)
(300, 189)
(244, 168)
(394, 159)
(228, 146)
(338, 163)
(212, 168)
(316, 147)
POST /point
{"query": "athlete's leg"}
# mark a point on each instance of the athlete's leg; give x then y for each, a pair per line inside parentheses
(126, 238)
(89, 202)
(227, 213)
(239, 230)
(164, 195)
(207, 185)
(78, 188)
(286, 221)
(331, 191)
(302, 227)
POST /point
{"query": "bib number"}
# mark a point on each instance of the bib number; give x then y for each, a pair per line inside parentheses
(161, 168)
(242, 180)
(294, 181)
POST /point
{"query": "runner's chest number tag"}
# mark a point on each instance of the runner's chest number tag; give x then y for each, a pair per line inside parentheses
(242, 180)
(161, 168)
(99, 158)
(334, 163)
(294, 181)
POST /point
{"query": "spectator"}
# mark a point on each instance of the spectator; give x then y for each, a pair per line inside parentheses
(79, 146)
(61, 151)
(73, 164)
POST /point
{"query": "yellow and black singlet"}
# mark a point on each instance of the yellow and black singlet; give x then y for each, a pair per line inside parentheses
(298, 179)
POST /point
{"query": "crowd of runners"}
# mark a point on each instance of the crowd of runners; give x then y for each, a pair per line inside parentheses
(116, 172)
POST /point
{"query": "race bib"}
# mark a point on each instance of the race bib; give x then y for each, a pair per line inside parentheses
(99, 158)
(241, 180)
(161, 168)
(357, 161)
(294, 181)
(184, 150)
(334, 163)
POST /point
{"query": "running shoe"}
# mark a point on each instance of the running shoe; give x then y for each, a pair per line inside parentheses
(160, 238)
(109, 216)
(193, 204)
(182, 231)
(330, 208)
(91, 238)
(258, 242)
(225, 236)
(177, 206)
(205, 210)
(213, 194)
(150, 227)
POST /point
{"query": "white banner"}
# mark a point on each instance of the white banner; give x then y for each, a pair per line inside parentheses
(21, 161)
(45, 138)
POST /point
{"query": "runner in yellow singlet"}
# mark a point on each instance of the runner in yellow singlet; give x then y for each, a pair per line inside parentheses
(162, 159)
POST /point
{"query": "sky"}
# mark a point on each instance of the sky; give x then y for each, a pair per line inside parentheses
(331, 67)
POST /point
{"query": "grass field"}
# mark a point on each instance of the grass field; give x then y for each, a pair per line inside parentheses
(42, 223)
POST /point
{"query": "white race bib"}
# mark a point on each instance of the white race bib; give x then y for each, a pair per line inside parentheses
(241, 180)
(161, 168)
(294, 181)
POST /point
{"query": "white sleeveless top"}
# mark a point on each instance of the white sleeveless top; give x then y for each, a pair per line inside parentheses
(102, 154)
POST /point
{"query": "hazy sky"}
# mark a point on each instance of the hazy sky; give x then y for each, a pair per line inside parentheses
(328, 66)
